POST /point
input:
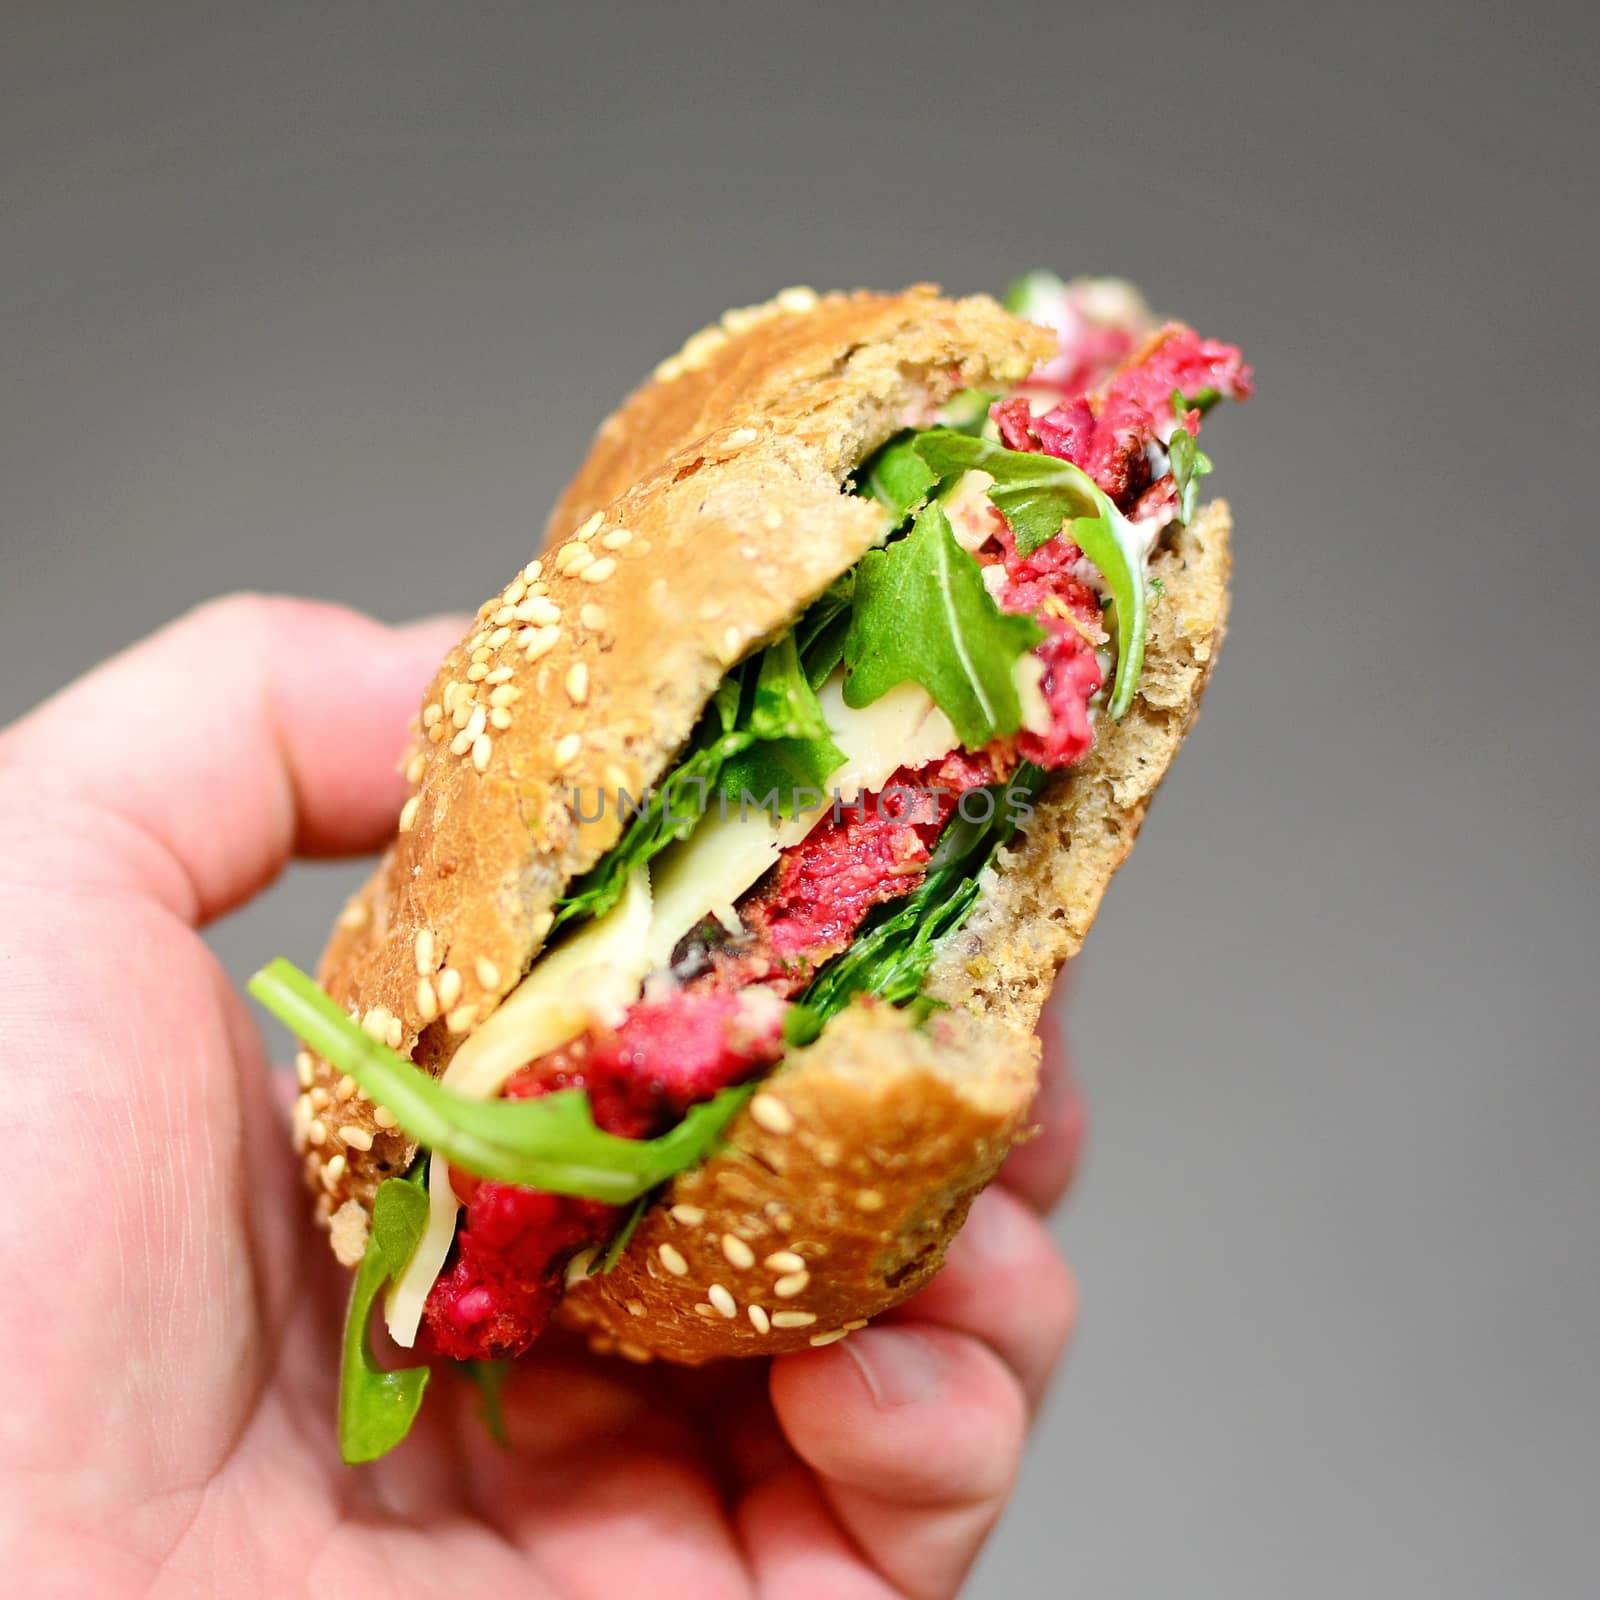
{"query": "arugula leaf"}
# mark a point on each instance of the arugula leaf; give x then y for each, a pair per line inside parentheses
(1036, 494)
(897, 477)
(1035, 297)
(619, 1240)
(1201, 401)
(923, 615)
(549, 1142)
(1189, 464)
(377, 1407)
(894, 948)
(490, 1378)
(794, 749)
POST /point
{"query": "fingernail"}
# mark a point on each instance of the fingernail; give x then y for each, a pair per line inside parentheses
(998, 1230)
(901, 1367)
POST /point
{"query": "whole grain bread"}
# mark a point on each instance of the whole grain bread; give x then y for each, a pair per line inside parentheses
(716, 494)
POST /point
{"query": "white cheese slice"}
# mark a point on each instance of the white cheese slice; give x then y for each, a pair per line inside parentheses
(402, 1307)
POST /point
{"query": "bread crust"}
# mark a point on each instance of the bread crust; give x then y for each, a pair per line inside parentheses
(710, 512)
(838, 1190)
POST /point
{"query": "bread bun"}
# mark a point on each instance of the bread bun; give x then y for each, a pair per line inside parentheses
(710, 511)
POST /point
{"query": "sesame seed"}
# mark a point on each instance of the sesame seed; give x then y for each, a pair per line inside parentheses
(797, 299)
(346, 1089)
(592, 616)
(772, 1114)
(488, 973)
(449, 987)
(431, 714)
(514, 590)
(669, 369)
(542, 641)
(634, 1308)
(427, 1000)
(793, 1319)
(462, 1018)
(408, 813)
(354, 915)
(572, 558)
(673, 1260)
(785, 1261)
(425, 951)
(357, 1138)
(578, 1267)
(531, 571)
(303, 1068)
(499, 637)
(477, 722)
(577, 683)
(320, 1098)
(869, 1200)
(703, 1308)
(415, 768)
(477, 672)
(598, 571)
(743, 436)
(541, 925)
(374, 1022)
(739, 1254)
(773, 519)
(333, 1171)
(500, 718)
(820, 1339)
(858, 1322)
(498, 676)
(506, 694)
(722, 1300)
(636, 1353)
(394, 1033)
(791, 1284)
(567, 748)
(759, 1320)
(384, 1117)
(591, 526)
(505, 614)
(436, 733)
(689, 1216)
(461, 744)
(462, 714)
(618, 539)
(482, 749)
(317, 1132)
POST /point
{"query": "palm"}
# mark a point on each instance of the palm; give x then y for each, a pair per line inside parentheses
(169, 1342)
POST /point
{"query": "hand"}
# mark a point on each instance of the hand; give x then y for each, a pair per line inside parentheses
(170, 1320)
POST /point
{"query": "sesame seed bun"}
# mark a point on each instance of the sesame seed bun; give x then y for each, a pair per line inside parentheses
(708, 514)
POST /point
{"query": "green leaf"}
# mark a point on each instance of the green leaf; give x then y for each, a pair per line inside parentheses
(1189, 465)
(923, 615)
(794, 749)
(549, 1142)
(1037, 494)
(898, 478)
(377, 1407)
(619, 1240)
(894, 948)
(490, 1378)
(1036, 297)
(1202, 401)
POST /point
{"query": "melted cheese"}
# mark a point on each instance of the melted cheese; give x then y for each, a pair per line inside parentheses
(595, 975)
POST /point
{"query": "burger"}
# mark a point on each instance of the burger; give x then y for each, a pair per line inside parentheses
(748, 827)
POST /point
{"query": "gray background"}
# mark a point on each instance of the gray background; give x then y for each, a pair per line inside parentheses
(331, 302)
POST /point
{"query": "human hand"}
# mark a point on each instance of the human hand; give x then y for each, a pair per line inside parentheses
(169, 1332)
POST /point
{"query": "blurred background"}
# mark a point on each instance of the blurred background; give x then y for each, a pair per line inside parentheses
(322, 300)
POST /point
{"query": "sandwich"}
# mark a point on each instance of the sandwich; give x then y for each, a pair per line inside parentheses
(748, 827)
